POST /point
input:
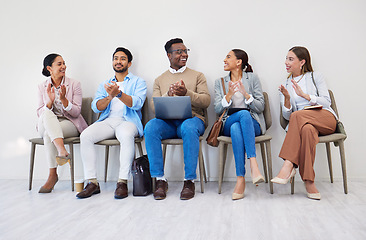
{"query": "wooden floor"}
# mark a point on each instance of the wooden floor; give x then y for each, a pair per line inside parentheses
(260, 215)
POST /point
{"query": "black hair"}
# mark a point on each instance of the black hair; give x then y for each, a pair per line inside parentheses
(126, 51)
(241, 54)
(169, 43)
(48, 60)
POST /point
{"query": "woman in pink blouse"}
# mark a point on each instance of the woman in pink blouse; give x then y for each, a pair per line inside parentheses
(59, 108)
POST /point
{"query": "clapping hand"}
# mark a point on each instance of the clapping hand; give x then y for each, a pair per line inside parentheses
(241, 88)
(51, 93)
(62, 92)
(112, 89)
(298, 89)
(284, 91)
(233, 88)
(178, 88)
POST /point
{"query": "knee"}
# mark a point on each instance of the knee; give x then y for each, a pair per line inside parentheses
(125, 135)
(235, 128)
(152, 127)
(307, 129)
(189, 127)
(244, 116)
(85, 135)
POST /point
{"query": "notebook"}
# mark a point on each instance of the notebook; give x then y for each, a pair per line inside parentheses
(173, 107)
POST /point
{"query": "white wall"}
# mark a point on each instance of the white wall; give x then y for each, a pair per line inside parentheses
(86, 33)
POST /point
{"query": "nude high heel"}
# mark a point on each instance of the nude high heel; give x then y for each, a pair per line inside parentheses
(258, 179)
(314, 196)
(61, 160)
(284, 181)
(237, 196)
(48, 190)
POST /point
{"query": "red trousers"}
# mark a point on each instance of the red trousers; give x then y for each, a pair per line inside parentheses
(302, 137)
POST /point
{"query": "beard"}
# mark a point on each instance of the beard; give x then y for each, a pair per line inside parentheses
(120, 70)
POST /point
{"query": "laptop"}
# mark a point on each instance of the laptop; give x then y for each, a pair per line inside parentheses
(173, 107)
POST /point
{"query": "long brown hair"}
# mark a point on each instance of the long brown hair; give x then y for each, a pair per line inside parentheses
(303, 54)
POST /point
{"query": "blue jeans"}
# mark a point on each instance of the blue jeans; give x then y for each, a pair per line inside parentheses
(189, 130)
(243, 129)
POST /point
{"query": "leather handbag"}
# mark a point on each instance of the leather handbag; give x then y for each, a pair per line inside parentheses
(217, 126)
(142, 182)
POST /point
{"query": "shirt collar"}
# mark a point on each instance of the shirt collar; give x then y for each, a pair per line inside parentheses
(180, 70)
(128, 77)
(62, 81)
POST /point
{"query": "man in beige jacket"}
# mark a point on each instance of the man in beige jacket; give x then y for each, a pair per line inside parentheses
(178, 80)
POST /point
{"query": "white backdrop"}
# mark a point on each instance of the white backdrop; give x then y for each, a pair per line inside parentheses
(86, 33)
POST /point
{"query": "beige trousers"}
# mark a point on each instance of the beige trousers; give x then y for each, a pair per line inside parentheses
(51, 127)
(301, 139)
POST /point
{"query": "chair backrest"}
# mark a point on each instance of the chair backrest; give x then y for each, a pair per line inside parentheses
(267, 111)
(86, 110)
(206, 117)
(145, 112)
(333, 105)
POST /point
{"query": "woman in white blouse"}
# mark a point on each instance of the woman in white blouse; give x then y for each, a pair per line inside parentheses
(303, 88)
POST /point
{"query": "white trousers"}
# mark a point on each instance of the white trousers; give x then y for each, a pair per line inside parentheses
(50, 127)
(123, 130)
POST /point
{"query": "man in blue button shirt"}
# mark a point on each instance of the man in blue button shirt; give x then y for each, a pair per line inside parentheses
(119, 100)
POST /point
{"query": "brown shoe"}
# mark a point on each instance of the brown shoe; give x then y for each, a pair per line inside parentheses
(89, 190)
(160, 190)
(188, 190)
(121, 190)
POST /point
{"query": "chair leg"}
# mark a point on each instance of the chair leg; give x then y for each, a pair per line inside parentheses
(263, 152)
(222, 157)
(71, 147)
(106, 162)
(139, 145)
(329, 156)
(293, 185)
(269, 160)
(200, 161)
(204, 168)
(164, 152)
(31, 164)
(343, 162)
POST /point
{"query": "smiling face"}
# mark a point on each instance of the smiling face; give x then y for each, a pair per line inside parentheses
(294, 64)
(178, 60)
(120, 62)
(58, 68)
(231, 62)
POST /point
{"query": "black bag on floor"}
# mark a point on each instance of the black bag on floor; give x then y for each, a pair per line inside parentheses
(142, 183)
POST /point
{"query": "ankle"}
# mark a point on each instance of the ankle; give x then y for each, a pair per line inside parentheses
(122, 180)
(93, 180)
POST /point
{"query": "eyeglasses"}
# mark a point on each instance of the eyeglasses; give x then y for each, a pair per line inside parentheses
(180, 51)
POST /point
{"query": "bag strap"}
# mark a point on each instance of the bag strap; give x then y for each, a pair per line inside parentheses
(223, 87)
(312, 78)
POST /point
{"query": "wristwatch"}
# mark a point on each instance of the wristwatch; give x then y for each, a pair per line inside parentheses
(120, 94)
